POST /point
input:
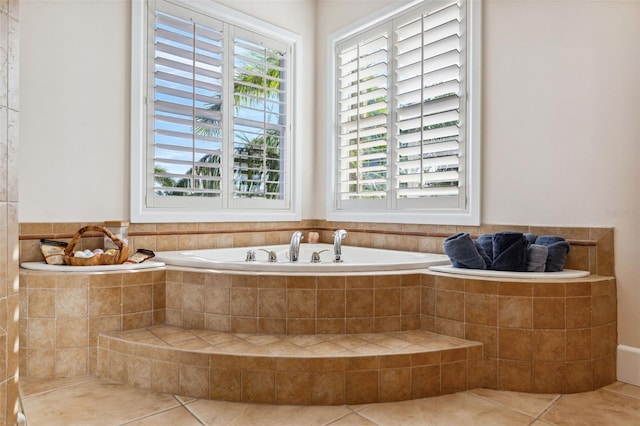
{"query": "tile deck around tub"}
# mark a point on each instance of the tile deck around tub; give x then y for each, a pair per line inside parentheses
(318, 345)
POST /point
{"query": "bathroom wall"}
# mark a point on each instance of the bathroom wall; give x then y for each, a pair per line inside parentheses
(9, 298)
(561, 135)
(560, 107)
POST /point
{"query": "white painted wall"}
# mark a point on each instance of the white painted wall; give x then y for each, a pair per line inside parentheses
(74, 131)
(561, 114)
(75, 82)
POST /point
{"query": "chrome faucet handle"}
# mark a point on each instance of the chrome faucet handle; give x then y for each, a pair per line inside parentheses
(315, 256)
(251, 256)
(273, 257)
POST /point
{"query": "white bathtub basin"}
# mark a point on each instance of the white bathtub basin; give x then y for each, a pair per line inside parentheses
(355, 259)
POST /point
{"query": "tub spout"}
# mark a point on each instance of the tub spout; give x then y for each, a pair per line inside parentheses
(294, 246)
(338, 236)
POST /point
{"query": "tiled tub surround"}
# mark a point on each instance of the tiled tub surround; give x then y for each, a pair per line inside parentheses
(537, 336)
(61, 315)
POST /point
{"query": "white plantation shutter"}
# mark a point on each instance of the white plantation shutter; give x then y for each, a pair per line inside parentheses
(219, 113)
(427, 101)
(363, 107)
(260, 120)
(187, 137)
(401, 111)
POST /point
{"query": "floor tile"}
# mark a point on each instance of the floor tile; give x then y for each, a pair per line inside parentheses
(624, 389)
(178, 416)
(90, 401)
(527, 403)
(353, 420)
(455, 409)
(600, 407)
(31, 386)
(215, 413)
(98, 402)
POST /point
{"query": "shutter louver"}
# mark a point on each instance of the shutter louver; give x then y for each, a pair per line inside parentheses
(363, 99)
(187, 107)
(260, 120)
(428, 105)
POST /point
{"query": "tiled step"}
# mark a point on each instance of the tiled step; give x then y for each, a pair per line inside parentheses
(291, 369)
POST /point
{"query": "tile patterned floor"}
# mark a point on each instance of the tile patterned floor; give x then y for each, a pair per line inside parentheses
(92, 401)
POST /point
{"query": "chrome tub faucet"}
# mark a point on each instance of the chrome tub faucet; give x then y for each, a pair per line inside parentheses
(338, 236)
(294, 246)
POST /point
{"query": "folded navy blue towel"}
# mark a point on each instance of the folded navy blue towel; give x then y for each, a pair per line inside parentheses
(487, 260)
(509, 251)
(462, 252)
(486, 242)
(558, 249)
(537, 258)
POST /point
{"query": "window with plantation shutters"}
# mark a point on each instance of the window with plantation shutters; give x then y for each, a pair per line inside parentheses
(404, 131)
(218, 111)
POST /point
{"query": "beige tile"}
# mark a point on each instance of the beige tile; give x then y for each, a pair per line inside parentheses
(137, 298)
(78, 404)
(71, 302)
(527, 403)
(33, 385)
(456, 409)
(625, 389)
(72, 362)
(175, 416)
(354, 419)
(600, 407)
(41, 303)
(214, 413)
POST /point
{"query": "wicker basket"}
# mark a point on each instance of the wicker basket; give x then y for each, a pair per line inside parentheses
(120, 256)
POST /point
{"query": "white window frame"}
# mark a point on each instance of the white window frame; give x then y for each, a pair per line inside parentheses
(141, 212)
(469, 214)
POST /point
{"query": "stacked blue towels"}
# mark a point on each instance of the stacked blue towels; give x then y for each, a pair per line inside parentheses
(507, 251)
(486, 242)
(537, 255)
(463, 253)
(558, 249)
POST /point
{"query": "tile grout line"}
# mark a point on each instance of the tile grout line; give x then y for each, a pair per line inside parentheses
(548, 408)
(606, 388)
(89, 379)
(152, 414)
(502, 404)
(194, 415)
